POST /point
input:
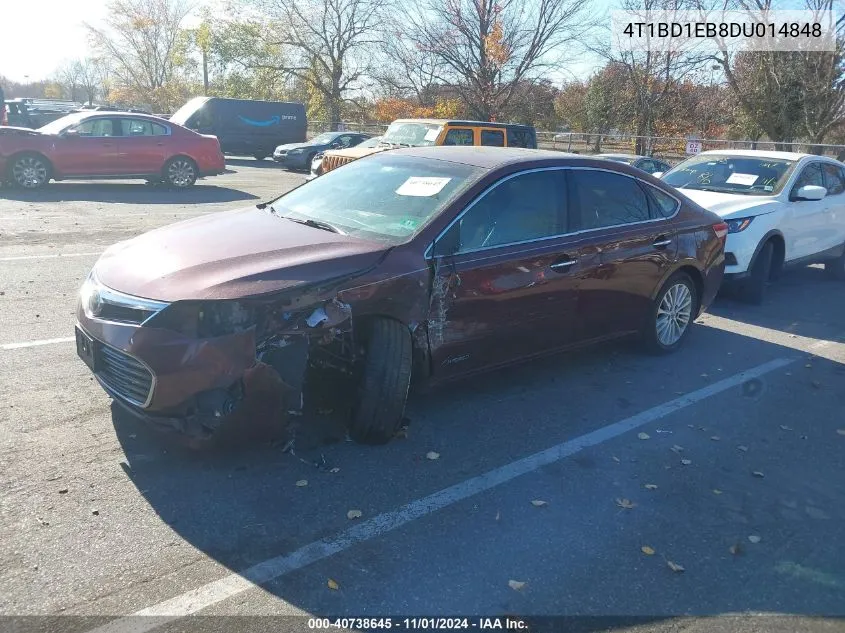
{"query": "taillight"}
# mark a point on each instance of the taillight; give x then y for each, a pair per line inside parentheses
(721, 230)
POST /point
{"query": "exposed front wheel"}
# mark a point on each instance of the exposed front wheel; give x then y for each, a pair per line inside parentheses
(385, 380)
(672, 314)
(754, 286)
(180, 172)
(29, 172)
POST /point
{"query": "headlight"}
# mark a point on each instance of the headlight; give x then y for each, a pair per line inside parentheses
(89, 297)
(204, 319)
(295, 151)
(738, 225)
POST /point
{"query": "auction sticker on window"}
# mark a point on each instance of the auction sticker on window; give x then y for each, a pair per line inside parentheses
(431, 135)
(742, 179)
(422, 187)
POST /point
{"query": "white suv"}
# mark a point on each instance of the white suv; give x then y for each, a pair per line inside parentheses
(782, 209)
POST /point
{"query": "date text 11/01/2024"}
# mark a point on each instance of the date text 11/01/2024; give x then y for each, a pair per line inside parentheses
(708, 30)
(415, 624)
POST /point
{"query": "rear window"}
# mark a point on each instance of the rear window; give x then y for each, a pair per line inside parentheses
(494, 138)
(522, 137)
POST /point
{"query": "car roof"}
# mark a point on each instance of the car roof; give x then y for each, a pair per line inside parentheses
(492, 124)
(756, 153)
(485, 157)
(621, 155)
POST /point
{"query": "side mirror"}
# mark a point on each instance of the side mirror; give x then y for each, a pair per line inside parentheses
(71, 132)
(335, 145)
(657, 174)
(811, 192)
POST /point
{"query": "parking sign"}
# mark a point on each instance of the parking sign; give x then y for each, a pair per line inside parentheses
(693, 147)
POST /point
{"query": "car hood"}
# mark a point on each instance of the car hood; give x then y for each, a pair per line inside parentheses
(730, 205)
(230, 255)
(12, 129)
(289, 146)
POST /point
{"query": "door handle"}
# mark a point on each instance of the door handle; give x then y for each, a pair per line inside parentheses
(563, 265)
(662, 242)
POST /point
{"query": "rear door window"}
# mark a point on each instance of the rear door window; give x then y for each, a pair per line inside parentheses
(605, 199)
(141, 127)
(459, 136)
(494, 138)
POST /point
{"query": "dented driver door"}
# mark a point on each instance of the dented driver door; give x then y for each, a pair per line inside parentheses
(505, 277)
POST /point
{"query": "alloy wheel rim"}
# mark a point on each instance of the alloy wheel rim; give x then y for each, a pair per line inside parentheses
(673, 314)
(181, 173)
(29, 172)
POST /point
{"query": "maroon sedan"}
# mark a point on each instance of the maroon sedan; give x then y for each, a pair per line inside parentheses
(431, 262)
(94, 145)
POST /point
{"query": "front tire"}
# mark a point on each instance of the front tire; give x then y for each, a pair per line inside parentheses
(259, 156)
(835, 268)
(29, 171)
(385, 380)
(754, 288)
(671, 315)
(180, 172)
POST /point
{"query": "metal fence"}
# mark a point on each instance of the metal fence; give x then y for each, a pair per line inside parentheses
(669, 148)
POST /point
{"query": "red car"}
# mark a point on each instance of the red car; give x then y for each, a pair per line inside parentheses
(95, 145)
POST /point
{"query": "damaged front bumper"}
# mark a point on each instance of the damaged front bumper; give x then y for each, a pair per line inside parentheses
(196, 385)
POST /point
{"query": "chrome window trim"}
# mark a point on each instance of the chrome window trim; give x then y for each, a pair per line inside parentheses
(115, 393)
(428, 255)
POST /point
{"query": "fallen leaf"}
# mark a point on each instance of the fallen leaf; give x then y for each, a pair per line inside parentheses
(301, 483)
(757, 473)
(333, 585)
(716, 491)
(95, 512)
(645, 549)
(677, 449)
(643, 436)
(432, 455)
(616, 459)
(43, 522)
(808, 366)
(816, 513)
(538, 503)
(715, 438)
(650, 486)
(742, 448)
(789, 373)
(675, 567)
(704, 376)
(63, 491)
(686, 462)
(783, 427)
(626, 503)
(497, 516)
(354, 514)
(816, 384)
(735, 549)
(516, 585)
(335, 470)
(754, 538)
(840, 431)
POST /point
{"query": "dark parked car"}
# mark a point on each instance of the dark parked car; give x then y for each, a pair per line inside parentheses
(300, 155)
(645, 163)
(101, 145)
(33, 114)
(432, 263)
(245, 127)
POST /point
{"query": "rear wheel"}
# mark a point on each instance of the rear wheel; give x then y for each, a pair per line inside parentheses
(674, 310)
(835, 268)
(29, 171)
(260, 155)
(385, 381)
(180, 172)
(754, 287)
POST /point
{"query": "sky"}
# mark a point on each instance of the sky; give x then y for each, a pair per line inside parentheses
(34, 43)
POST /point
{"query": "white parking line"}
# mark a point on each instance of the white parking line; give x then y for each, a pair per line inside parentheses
(209, 594)
(53, 256)
(46, 341)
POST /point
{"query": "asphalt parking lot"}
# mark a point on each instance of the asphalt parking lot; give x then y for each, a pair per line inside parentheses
(566, 486)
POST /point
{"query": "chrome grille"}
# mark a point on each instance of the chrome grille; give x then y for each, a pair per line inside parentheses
(127, 377)
(333, 162)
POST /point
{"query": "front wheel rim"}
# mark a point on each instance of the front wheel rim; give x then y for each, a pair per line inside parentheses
(674, 314)
(29, 172)
(180, 173)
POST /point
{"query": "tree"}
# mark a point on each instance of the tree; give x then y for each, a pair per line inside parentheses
(68, 76)
(146, 47)
(327, 43)
(488, 48)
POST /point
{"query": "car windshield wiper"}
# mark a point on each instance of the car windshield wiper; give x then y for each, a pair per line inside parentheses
(315, 224)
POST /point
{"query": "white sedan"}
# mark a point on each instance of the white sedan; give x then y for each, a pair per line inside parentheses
(782, 209)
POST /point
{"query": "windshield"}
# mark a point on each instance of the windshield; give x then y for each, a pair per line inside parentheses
(384, 197)
(412, 134)
(731, 174)
(324, 139)
(181, 116)
(54, 127)
(372, 142)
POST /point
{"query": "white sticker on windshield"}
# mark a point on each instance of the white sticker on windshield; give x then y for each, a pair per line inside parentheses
(422, 187)
(431, 135)
(742, 179)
